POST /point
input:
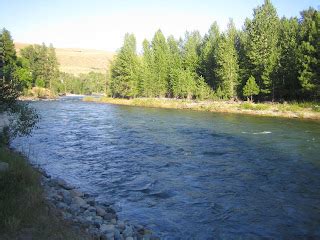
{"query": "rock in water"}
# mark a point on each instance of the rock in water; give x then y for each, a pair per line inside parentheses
(62, 183)
(4, 166)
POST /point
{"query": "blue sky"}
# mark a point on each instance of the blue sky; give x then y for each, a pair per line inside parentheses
(102, 24)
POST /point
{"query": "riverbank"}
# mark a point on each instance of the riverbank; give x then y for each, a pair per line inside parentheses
(288, 110)
(24, 213)
(35, 206)
(38, 93)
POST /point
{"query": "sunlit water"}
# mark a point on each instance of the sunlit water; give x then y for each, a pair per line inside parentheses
(185, 174)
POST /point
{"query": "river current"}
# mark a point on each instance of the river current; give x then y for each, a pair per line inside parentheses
(186, 174)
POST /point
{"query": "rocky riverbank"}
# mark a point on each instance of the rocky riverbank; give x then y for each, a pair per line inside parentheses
(81, 209)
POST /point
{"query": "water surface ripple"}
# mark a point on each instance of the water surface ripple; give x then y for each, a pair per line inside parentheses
(184, 174)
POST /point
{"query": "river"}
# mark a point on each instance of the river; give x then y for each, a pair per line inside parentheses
(186, 174)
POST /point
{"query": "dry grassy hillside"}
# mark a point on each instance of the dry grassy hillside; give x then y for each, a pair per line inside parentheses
(76, 61)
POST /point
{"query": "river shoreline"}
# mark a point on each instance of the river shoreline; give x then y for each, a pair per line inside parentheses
(99, 220)
(73, 210)
(264, 109)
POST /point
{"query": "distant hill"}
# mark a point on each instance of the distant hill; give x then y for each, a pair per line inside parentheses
(77, 60)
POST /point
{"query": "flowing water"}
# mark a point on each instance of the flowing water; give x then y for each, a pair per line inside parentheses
(186, 174)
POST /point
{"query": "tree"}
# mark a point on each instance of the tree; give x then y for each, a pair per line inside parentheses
(207, 61)
(53, 66)
(309, 53)
(175, 63)
(42, 63)
(287, 85)
(22, 118)
(124, 70)
(262, 49)
(251, 88)
(10, 87)
(160, 65)
(146, 71)
(227, 63)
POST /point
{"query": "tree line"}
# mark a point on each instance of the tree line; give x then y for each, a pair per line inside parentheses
(269, 59)
(37, 66)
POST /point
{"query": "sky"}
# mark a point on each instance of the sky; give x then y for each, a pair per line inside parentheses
(102, 24)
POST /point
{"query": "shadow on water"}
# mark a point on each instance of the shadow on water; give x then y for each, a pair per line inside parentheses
(187, 174)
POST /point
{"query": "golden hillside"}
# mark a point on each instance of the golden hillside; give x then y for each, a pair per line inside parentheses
(76, 60)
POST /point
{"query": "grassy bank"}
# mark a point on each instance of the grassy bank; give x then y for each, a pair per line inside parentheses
(24, 213)
(291, 110)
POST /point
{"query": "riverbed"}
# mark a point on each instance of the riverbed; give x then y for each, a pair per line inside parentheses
(186, 174)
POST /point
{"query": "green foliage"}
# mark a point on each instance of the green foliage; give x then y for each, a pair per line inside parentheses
(227, 63)
(287, 84)
(42, 63)
(281, 55)
(12, 79)
(184, 84)
(124, 70)
(309, 53)
(160, 66)
(208, 55)
(251, 88)
(262, 49)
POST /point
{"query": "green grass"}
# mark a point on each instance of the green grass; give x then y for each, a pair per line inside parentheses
(255, 106)
(23, 210)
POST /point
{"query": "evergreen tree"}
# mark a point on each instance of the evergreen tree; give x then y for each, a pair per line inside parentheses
(309, 53)
(263, 32)
(251, 88)
(124, 70)
(175, 63)
(10, 87)
(288, 85)
(160, 65)
(227, 63)
(146, 71)
(208, 62)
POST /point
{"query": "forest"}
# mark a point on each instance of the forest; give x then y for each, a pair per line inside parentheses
(270, 59)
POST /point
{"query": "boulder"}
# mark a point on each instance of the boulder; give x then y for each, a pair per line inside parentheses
(79, 201)
(4, 166)
(76, 193)
(100, 211)
(107, 228)
(62, 183)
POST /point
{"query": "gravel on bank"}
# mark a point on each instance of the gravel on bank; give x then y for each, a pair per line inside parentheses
(81, 209)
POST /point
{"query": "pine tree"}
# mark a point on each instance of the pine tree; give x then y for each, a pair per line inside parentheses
(309, 53)
(175, 63)
(160, 65)
(251, 88)
(10, 87)
(124, 70)
(146, 71)
(287, 85)
(208, 62)
(227, 63)
(262, 48)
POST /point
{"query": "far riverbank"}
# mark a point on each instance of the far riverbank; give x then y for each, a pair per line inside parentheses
(287, 110)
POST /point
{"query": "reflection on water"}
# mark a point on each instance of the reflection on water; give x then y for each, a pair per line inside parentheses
(183, 173)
